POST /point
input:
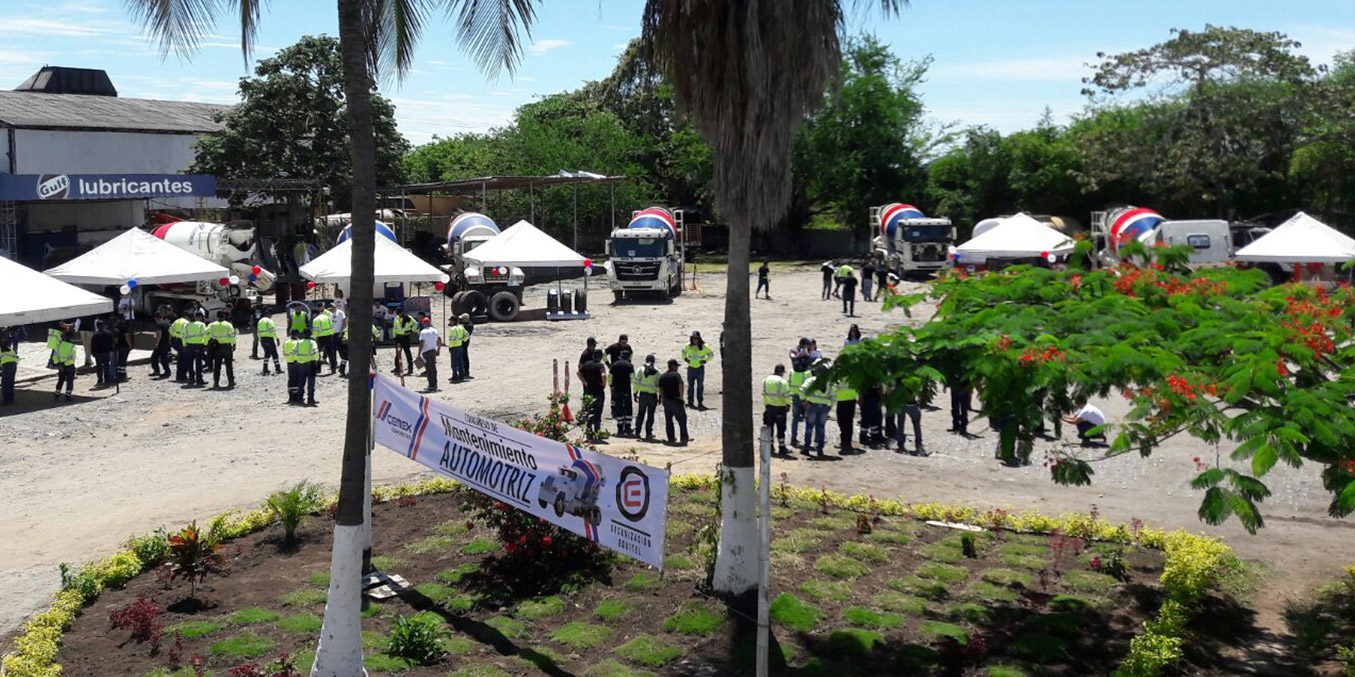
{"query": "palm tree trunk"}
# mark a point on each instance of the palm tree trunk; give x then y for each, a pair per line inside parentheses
(340, 650)
(736, 563)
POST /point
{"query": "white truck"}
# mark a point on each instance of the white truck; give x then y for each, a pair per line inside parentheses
(647, 255)
(479, 290)
(910, 244)
(235, 246)
(1211, 240)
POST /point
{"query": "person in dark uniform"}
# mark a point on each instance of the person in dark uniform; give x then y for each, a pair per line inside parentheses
(827, 269)
(122, 346)
(105, 355)
(620, 349)
(670, 389)
(160, 356)
(961, 392)
(764, 272)
(871, 434)
(867, 279)
(593, 375)
(849, 283)
(591, 352)
(621, 371)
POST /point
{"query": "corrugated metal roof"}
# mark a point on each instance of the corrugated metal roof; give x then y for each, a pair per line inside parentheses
(82, 111)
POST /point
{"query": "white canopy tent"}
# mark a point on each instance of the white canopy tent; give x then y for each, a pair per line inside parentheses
(29, 297)
(525, 246)
(137, 255)
(391, 263)
(1015, 237)
(1301, 239)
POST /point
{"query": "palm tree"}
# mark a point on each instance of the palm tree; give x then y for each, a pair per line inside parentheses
(373, 35)
(746, 73)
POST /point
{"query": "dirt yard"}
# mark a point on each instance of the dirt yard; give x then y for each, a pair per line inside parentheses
(79, 478)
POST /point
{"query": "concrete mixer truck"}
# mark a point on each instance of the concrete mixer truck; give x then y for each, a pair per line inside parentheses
(477, 289)
(647, 255)
(909, 243)
(234, 246)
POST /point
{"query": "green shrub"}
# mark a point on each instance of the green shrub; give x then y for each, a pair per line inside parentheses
(150, 549)
(81, 582)
(290, 507)
(648, 650)
(789, 611)
(582, 635)
(416, 638)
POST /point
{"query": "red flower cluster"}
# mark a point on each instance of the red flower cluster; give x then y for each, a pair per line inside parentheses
(1003, 344)
(1034, 356)
(1313, 322)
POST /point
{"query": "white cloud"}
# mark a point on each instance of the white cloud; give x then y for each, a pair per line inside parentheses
(47, 28)
(83, 8)
(547, 45)
(1039, 69)
(1321, 43)
(420, 119)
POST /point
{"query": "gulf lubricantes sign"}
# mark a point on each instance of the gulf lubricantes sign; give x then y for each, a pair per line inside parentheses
(29, 187)
(615, 503)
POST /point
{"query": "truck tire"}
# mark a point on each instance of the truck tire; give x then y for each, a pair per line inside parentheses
(458, 303)
(617, 296)
(474, 303)
(503, 306)
(581, 301)
(541, 502)
(559, 505)
(595, 516)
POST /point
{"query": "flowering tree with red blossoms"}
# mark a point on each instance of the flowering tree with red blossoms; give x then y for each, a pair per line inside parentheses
(1266, 373)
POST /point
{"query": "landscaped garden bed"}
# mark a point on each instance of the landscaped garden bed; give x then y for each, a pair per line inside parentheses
(855, 591)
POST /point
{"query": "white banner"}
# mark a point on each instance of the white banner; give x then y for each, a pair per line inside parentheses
(613, 502)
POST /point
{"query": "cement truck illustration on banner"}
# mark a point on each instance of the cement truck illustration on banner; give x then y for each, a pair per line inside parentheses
(574, 490)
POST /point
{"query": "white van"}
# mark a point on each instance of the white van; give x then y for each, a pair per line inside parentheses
(1210, 240)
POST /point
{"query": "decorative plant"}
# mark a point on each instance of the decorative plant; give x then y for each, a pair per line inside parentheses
(194, 556)
(417, 638)
(150, 549)
(282, 666)
(292, 506)
(142, 619)
(967, 546)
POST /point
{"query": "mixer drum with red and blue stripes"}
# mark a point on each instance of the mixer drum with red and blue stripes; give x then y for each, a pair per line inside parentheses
(893, 214)
(465, 223)
(381, 229)
(655, 217)
(1133, 224)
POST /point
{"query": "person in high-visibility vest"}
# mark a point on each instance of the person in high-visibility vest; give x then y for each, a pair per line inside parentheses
(799, 374)
(297, 320)
(176, 331)
(775, 402)
(816, 400)
(289, 347)
(64, 359)
(195, 346)
(9, 366)
(322, 332)
(465, 354)
(267, 332)
(221, 342)
(696, 354)
(846, 397)
(456, 341)
(645, 383)
(308, 358)
(406, 331)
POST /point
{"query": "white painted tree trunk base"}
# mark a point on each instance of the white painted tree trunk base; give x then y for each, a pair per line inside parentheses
(340, 651)
(736, 564)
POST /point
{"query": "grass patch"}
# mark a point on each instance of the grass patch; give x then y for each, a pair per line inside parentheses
(1008, 577)
(693, 618)
(991, 593)
(301, 623)
(937, 630)
(969, 611)
(853, 642)
(434, 591)
(675, 529)
(1065, 624)
(942, 551)
(645, 581)
(833, 523)
(582, 635)
(430, 545)
(304, 597)
(451, 528)
(386, 562)
(840, 567)
(536, 609)
(821, 590)
(612, 609)
(250, 615)
(479, 546)
(942, 572)
(612, 668)
(894, 537)
(1039, 647)
(922, 587)
(678, 562)
(786, 560)
(649, 650)
(319, 579)
(372, 639)
(541, 657)
(246, 645)
(864, 552)
(1005, 671)
(1089, 581)
(1075, 603)
(797, 541)
(384, 662)
(870, 618)
(1018, 561)
(480, 670)
(455, 576)
(895, 601)
(455, 646)
(790, 612)
(507, 627)
(193, 629)
(1024, 547)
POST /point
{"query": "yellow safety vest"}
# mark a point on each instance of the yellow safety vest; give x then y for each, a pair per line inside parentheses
(815, 397)
(645, 383)
(457, 335)
(297, 321)
(176, 328)
(9, 356)
(306, 351)
(289, 350)
(65, 353)
(322, 325)
(844, 271)
(796, 381)
(222, 332)
(267, 328)
(697, 357)
(843, 393)
(195, 334)
(53, 338)
(775, 391)
(405, 325)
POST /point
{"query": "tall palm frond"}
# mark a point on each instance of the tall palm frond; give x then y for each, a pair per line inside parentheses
(491, 31)
(180, 25)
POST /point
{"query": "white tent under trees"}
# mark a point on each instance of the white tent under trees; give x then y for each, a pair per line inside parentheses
(1301, 239)
(392, 264)
(30, 297)
(1015, 237)
(137, 255)
(526, 246)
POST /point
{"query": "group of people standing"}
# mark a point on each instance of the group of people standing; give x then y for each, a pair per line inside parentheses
(459, 331)
(612, 368)
(841, 282)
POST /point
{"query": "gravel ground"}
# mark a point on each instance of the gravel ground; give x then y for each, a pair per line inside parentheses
(81, 477)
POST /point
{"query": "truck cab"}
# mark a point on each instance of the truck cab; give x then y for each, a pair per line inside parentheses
(647, 255)
(910, 244)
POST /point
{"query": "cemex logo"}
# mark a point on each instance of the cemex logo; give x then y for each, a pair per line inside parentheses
(384, 415)
(54, 186)
(632, 493)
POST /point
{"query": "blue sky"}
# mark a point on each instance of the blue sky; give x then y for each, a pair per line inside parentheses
(997, 62)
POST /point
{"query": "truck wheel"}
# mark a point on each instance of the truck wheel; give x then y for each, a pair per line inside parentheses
(676, 291)
(474, 303)
(503, 306)
(559, 505)
(541, 502)
(595, 516)
(458, 303)
(581, 301)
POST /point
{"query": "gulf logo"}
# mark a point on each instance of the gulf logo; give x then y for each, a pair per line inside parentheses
(892, 214)
(1133, 224)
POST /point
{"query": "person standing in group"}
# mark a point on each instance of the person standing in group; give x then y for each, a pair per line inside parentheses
(620, 349)
(456, 341)
(881, 279)
(469, 326)
(105, 356)
(9, 366)
(593, 376)
(696, 354)
(176, 334)
(961, 393)
(670, 387)
(867, 279)
(775, 401)
(849, 283)
(195, 345)
(799, 374)
(840, 278)
(257, 313)
(871, 435)
(764, 272)
(817, 401)
(289, 349)
(298, 320)
(591, 351)
(895, 428)
(308, 357)
(86, 326)
(340, 330)
(406, 331)
(64, 359)
(430, 345)
(827, 269)
(379, 315)
(221, 345)
(322, 332)
(122, 345)
(853, 336)
(646, 385)
(620, 373)
(266, 333)
(845, 396)
(160, 355)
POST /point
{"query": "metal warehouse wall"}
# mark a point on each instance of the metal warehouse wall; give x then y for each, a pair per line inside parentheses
(86, 152)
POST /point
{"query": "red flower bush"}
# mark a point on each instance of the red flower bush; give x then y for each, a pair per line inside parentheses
(142, 619)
